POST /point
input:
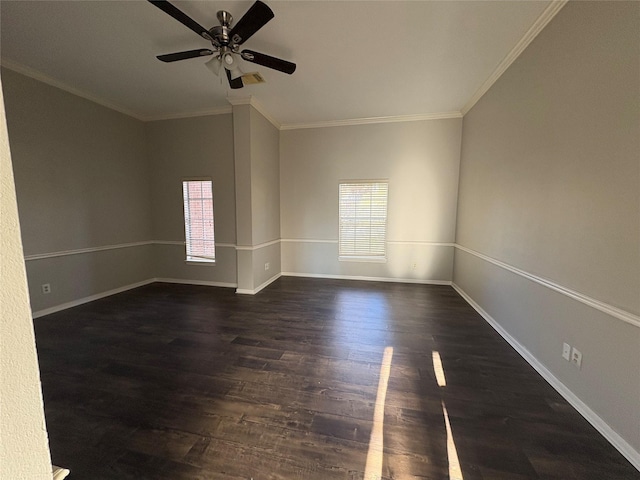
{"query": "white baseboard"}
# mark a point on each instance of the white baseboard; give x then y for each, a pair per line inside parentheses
(598, 423)
(98, 296)
(91, 298)
(367, 279)
(108, 293)
(206, 283)
(244, 291)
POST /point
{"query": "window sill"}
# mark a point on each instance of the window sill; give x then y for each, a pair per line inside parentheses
(363, 259)
(201, 263)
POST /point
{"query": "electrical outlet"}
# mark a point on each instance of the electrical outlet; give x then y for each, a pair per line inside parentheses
(576, 357)
(415, 265)
(46, 288)
(566, 351)
(266, 266)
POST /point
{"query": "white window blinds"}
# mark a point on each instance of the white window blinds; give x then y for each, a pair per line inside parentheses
(363, 219)
(198, 220)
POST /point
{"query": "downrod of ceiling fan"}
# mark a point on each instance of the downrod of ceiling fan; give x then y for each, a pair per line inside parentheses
(225, 18)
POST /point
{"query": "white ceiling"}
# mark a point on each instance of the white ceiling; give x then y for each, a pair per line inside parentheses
(356, 59)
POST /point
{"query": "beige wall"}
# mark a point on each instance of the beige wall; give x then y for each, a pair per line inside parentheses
(265, 179)
(257, 164)
(265, 197)
(82, 182)
(24, 447)
(88, 177)
(550, 185)
(192, 147)
(100, 194)
(419, 159)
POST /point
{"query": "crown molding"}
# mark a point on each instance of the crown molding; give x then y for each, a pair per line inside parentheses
(545, 17)
(201, 113)
(239, 100)
(370, 120)
(41, 77)
(248, 100)
(251, 100)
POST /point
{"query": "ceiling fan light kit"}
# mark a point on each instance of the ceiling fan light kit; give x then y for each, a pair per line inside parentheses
(226, 41)
(214, 66)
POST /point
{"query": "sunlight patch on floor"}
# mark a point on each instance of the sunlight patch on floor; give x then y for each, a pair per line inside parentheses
(373, 467)
(438, 370)
(455, 472)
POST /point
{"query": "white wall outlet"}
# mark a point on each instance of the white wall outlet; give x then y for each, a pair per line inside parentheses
(415, 265)
(576, 357)
(46, 288)
(266, 266)
(566, 351)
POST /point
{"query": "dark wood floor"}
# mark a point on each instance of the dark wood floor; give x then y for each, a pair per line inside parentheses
(187, 382)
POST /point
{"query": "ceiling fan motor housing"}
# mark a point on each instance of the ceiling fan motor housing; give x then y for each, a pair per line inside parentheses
(220, 35)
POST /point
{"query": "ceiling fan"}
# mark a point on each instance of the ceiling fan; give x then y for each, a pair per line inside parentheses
(226, 41)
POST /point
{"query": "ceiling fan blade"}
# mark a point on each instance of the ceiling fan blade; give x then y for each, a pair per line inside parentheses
(234, 83)
(269, 61)
(173, 57)
(182, 17)
(256, 17)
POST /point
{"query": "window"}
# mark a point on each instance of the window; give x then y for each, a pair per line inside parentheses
(363, 220)
(198, 220)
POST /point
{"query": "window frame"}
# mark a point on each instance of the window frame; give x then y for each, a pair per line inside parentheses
(202, 260)
(375, 258)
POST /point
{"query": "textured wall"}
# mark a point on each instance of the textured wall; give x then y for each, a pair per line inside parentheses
(24, 448)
